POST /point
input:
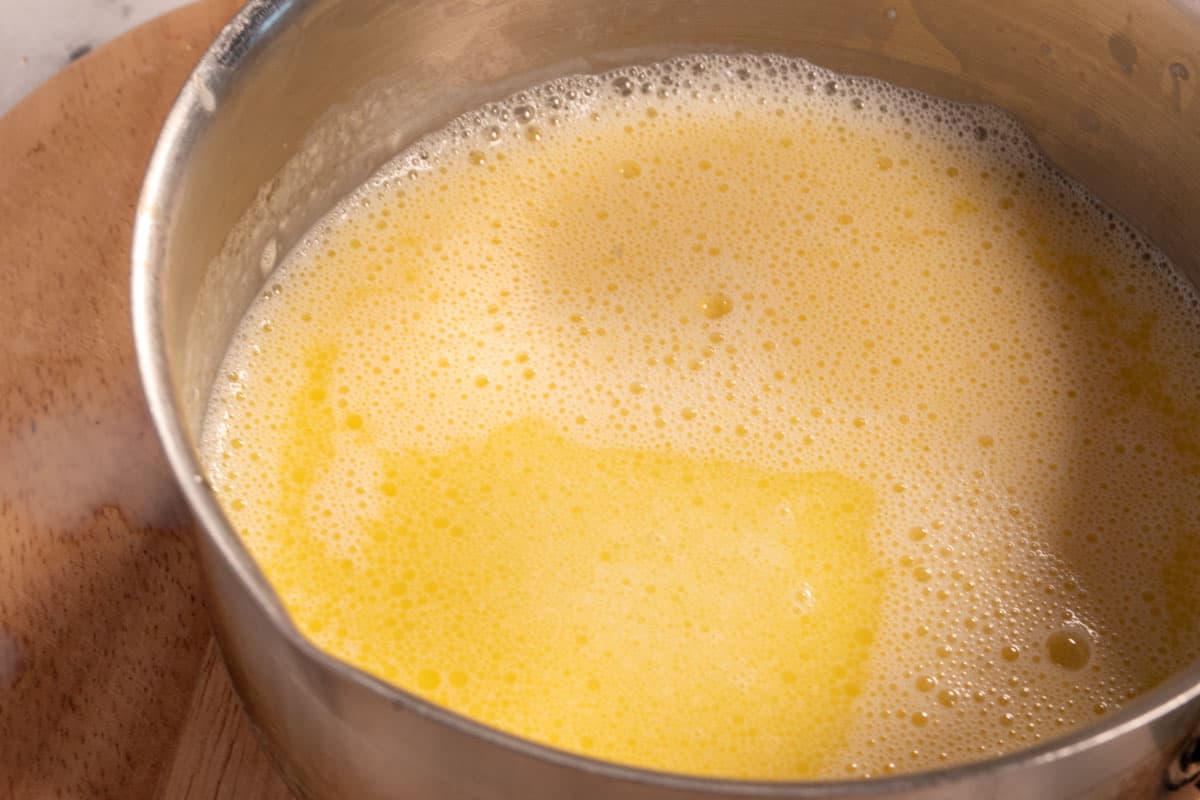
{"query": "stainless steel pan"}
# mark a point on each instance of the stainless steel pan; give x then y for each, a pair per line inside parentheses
(298, 102)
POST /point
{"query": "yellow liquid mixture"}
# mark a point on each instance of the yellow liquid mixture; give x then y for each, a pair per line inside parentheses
(733, 418)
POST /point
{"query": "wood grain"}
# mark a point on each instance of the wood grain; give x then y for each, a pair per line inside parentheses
(217, 755)
(110, 685)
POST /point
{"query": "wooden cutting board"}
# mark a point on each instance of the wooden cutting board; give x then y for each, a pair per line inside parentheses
(110, 684)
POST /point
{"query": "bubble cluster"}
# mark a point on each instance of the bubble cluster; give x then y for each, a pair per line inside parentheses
(563, 420)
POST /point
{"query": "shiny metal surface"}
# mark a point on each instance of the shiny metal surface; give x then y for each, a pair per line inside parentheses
(297, 102)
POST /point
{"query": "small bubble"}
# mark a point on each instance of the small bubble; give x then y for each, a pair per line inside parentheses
(1070, 648)
(428, 679)
(493, 133)
(716, 305)
(523, 114)
(623, 85)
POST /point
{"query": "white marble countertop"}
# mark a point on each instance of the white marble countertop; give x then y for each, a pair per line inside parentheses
(40, 37)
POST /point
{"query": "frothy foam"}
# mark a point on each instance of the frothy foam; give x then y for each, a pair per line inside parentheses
(820, 289)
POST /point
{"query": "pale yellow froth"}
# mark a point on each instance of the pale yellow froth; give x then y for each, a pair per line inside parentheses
(770, 427)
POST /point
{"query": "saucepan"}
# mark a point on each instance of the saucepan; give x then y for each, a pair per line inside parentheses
(298, 101)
